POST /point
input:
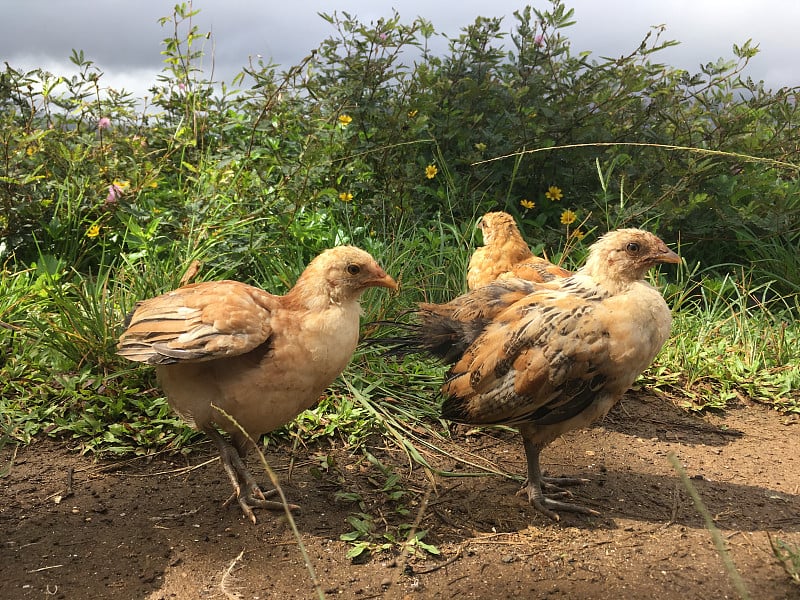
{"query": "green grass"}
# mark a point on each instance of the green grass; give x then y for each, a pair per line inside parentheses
(61, 376)
(788, 555)
(729, 343)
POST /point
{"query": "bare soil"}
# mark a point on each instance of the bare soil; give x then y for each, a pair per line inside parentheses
(76, 528)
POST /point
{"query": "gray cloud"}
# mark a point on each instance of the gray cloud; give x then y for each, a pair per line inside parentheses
(124, 38)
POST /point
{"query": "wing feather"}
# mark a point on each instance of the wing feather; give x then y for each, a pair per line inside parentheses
(198, 322)
(539, 361)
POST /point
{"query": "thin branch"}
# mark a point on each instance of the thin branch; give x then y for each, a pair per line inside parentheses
(737, 155)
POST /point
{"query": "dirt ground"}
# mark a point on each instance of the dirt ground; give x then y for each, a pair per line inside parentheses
(156, 529)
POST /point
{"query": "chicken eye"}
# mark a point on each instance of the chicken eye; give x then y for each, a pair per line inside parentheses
(353, 269)
(633, 247)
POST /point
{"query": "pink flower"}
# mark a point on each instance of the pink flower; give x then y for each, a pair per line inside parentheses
(114, 193)
(104, 123)
(539, 40)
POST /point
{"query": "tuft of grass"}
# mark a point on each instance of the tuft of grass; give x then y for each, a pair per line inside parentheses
(365, 536)
(6, 469)
(788, 556)
(731, 339)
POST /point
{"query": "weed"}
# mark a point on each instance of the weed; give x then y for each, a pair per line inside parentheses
(788, 556)
(371, 535)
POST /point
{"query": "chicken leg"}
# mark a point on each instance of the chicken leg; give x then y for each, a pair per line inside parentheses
(246, 490)
(544, 502)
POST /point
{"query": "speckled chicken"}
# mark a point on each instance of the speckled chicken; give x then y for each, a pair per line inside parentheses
(549, 357)
(505, 254)
(226, 350)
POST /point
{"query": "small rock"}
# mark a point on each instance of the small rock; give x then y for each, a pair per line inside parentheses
(509, 558)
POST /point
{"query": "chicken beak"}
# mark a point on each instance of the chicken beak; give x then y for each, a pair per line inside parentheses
(384, 280)
(668, 256)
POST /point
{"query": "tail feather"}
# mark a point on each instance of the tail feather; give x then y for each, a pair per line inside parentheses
(396, 345)
(445, 336)
(446, 330)
(438, 335)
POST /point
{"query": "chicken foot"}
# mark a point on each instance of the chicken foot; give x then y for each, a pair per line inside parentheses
(245, 488)
(547, 503)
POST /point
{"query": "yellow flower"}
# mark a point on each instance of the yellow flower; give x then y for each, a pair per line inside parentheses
(122, 185)
(345, 196)
(529, 204)
(431, 171)
(480, 147)
(568, 217)
(345, 120)
(578, 234)
(412, 114)
(152, 184)
(554, 193)
(93, 231)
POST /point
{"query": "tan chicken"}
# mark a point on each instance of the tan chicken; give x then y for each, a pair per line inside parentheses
(225, 350)
(505, 254)
(550, 357)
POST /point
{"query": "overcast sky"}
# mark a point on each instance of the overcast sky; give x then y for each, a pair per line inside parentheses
(123, 37)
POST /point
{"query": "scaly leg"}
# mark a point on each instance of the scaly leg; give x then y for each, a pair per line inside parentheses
(547, 503)
(245, 488)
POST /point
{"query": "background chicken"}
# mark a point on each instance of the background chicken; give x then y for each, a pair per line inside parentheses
(506, 254)
(549, 357)
(260, 359)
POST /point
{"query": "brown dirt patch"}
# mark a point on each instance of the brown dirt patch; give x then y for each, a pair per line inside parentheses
(153, 530)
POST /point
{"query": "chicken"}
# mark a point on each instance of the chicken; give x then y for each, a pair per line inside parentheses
(228, 351)
(549, 357)
(505, 254)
